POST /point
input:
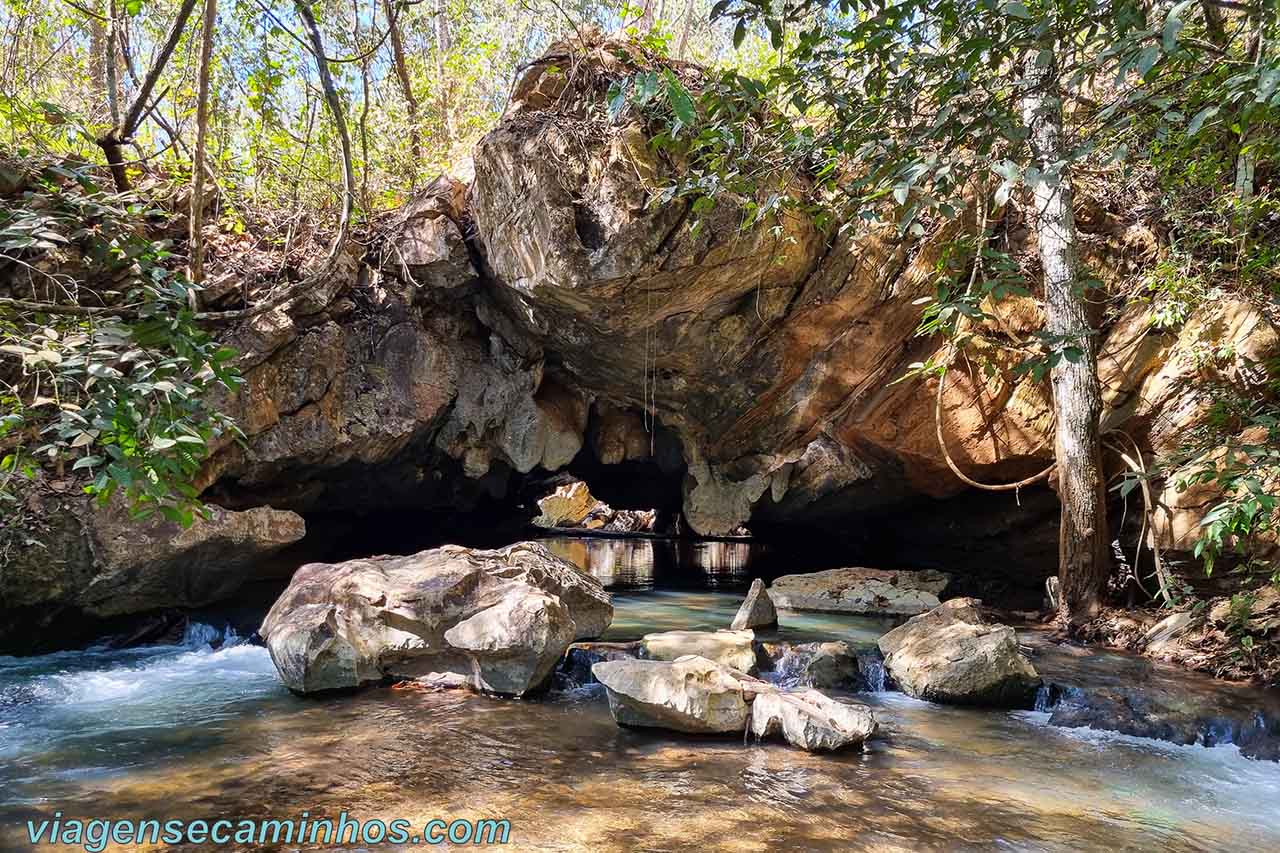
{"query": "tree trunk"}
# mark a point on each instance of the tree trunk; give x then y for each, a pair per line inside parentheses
(98, 59)
(684, 32)
(444, 44)
(1083, 557)
(406, 85)
(1246, 161)
(124, 126)
(196, 233)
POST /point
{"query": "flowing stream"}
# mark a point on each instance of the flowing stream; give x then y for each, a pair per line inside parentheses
(191, 731)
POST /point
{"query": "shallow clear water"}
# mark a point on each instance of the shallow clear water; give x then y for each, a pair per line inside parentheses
(190, 732)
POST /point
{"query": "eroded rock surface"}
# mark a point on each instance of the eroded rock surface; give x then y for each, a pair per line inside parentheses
(696, 695)
(861, 591)
(501, 618)
(954, 656)
(811, 720)
(80, 564)
(690, 694)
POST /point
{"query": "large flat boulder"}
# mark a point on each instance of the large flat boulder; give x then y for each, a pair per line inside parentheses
(691, 694)
(953, 655)
(500, 618)
(861, 591)
(734, 649)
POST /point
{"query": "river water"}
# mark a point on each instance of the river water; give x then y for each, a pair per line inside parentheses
(192, 732)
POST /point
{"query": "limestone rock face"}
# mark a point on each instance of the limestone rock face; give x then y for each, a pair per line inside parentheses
(549, 308)
(588, 269)
(690, 694)
(954, 656)
(734, 649)
(810, 720)
(757, 610)
(84, 563)
(501, 618)
(856, 590)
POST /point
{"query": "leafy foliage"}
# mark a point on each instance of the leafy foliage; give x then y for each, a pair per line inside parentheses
(122, 394)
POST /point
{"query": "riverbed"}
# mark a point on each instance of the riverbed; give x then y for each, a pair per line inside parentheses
(192, 731)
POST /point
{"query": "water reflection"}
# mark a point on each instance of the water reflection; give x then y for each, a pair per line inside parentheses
(665, 563)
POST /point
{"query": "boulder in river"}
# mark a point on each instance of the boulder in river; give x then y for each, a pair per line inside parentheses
(827, 666)
(690, 694)
(811, 720)
(567, 506)
(696, 695)
(734, 649)
(757, 610)
(861, 591)
(953, 655)
(502, 618)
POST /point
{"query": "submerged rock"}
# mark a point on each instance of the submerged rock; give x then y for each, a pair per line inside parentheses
(826, 666)
(1158, 715)
(810, 720)
(501, 618)
(757, 611)
(690, 694)
(953, 655)
(734, 649)
(857, 590)
(575, 668)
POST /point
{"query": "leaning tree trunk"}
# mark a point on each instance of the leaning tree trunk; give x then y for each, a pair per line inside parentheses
(406, 84)
(1083, 559)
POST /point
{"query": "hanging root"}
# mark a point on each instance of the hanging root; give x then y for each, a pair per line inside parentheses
(951, 463)
(1147, 535)
(942, 384)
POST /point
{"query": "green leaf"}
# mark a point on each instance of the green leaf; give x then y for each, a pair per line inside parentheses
(646, 87)
(775, 32)
(617, 101)
(739, 33)
(1198, 120)
(1016, 10)
(678, 96)
(1147, 59)
(1173, 25)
